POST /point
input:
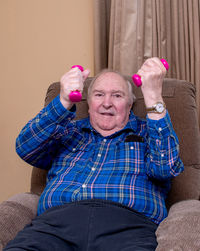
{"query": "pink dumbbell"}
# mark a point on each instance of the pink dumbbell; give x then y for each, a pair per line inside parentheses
(76, 96)
(137, 78)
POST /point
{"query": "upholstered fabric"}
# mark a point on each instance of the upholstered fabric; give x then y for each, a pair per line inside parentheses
(15, 213)
(180, 231)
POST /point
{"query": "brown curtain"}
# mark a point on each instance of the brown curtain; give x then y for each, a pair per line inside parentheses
(129, 31)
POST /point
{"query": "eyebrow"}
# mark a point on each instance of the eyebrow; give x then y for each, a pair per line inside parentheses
(112, 91)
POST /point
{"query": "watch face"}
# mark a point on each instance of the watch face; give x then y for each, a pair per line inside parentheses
(159, 107)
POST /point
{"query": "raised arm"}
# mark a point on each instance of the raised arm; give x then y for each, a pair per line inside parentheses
(39, 140)
(163, 161)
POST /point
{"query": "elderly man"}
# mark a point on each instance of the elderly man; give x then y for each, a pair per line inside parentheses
(108, 174)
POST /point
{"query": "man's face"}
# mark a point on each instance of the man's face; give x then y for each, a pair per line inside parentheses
(109, 104)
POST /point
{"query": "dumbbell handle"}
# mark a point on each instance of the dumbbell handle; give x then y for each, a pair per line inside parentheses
(137, 78)
(76, 96)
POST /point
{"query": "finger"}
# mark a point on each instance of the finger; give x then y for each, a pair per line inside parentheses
(160, 64)
(151, 63)
(85, 74)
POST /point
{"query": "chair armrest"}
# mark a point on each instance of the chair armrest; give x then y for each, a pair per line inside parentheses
(180, 230)
(15, 213)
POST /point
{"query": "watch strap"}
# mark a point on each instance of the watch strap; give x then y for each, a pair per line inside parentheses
(154, 108)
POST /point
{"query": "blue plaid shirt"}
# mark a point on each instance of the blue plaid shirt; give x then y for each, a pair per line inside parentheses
(133, 166)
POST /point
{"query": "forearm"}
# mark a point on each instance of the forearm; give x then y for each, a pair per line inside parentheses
(40, 137)
(163, 161)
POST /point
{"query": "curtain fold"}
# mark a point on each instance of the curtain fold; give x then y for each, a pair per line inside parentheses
(101, 33)
(127, 32)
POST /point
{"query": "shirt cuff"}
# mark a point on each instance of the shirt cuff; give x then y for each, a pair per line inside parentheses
(160, 128)
(58, 113)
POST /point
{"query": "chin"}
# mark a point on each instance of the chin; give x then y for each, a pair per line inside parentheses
(107, 128)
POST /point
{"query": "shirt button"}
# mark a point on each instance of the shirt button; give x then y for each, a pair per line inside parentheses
(84, 186)
(104, 140)
(74, 149)
(131, 147)
(159, 129)
(162, 155)
(93, 169)
(99, 155)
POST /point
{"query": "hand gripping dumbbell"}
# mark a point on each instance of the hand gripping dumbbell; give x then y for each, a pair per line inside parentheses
(76, 96)
(137, 78)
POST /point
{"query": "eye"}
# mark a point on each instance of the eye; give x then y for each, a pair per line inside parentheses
(117, 95)
(98, 94)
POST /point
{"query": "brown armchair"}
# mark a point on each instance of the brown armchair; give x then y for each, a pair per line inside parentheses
(180, 230)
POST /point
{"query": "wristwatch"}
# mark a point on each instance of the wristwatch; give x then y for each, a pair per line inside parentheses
(159, 107)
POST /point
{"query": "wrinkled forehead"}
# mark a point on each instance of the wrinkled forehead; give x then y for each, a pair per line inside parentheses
(110, 80)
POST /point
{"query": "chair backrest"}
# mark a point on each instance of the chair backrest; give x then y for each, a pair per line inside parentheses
(179, 96)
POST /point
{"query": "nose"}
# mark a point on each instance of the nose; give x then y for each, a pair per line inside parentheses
(107, 102)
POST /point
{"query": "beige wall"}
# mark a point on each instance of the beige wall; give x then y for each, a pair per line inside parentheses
(39, 41)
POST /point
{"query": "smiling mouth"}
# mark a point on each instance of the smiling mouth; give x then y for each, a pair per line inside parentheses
(107, 114)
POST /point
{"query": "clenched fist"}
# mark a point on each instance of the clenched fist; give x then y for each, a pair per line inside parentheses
(71, 81)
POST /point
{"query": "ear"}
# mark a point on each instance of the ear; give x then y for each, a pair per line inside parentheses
(130, 107)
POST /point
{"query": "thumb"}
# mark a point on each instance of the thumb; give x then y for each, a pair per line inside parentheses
(85, 74)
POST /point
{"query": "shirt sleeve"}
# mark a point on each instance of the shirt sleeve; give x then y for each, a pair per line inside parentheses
(38, 141)
(162, 160)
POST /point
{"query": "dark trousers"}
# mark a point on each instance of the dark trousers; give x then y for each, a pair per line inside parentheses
(93, 225)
